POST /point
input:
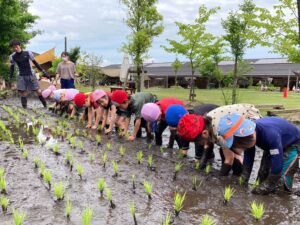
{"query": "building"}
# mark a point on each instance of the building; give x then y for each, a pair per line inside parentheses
(277, 71)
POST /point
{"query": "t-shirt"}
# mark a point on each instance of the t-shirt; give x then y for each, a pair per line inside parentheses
(22, 59)
(273, 134)
(165, 103)
(247, 110)
(203, 109)
(66, 70)
(70, 94)
(137, 102)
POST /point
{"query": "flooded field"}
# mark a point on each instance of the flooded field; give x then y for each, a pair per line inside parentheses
(29, 193)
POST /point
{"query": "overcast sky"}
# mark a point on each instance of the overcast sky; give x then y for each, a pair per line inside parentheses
(97, 26)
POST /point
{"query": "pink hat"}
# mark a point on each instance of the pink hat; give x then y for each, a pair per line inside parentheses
(46, 93)
(150, 112)
(70, 94)
(52, 88)
(96, 95)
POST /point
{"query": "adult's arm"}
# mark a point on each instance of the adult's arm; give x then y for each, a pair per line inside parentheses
(12, 67)
(37, 65)
(113, 117)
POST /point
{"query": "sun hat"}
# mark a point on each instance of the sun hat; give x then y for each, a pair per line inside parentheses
(97, 94)
(234, 125)
(79, 99)
(190, 126)
(150, 112)
(174, 114)
(119, 97)
(70, 94)
(46, 93)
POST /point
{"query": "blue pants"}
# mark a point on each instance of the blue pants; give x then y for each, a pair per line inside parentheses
(67, 83)
(290, 167)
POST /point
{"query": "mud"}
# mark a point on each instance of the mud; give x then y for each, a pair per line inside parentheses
(28, 192)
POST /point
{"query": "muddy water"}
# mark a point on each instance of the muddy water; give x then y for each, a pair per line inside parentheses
(27, 191)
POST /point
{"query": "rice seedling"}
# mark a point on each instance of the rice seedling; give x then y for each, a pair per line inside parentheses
(98, 139)
(104, 159)
(197, 165)
(109, 198)
(90, 137)
(178, 167)
(228, 193)
(72, 142)
(87, 215)
(36, 162)
(80, 144)
(132, 212)
(69, 157)
(148, 189)
(48, 177)
(85, 134)
(194, 182)
(92, 157)
(122, 151)
(68, 207)
(69, 137)
(3, 185)
(80, 170)
(42, 168)
(162, 150)
(77, 132)
(71, 165)
(178, 203)
(207, 220)
(108, 145)
(59, 190)
(56, 149)
(115, 167)
(101, 185)
(1, 172)
(207, 168)
(139, 156)
(25, 154)
(149, 146)
(133, 178)
(21, 143)
(4, 203)
(257, 210)
(150, 161)
(255, 184)
(18, 217)
(167, 220)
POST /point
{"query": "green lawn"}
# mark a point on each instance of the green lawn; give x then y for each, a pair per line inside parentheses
(215, 96)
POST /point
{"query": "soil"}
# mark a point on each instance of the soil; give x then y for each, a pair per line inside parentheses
(28, 192)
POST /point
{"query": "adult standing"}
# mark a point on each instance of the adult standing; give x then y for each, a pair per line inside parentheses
(26, 79)
(66, 72)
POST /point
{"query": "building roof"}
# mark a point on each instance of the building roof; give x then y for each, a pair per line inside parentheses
(269, 67)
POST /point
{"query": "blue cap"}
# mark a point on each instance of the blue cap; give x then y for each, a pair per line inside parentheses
(174, 114)
(234, 125)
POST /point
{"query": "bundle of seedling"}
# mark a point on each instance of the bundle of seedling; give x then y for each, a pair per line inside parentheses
(68, 207)
(178, 167)
(132, 212)
(257, 210)
(228, 193)
(101, 185)
(80, 170)
(59, 191)
(87, 215)
(5, 133)
(109, 198)
(148, 189)
(167, 220)
(139, 156)
(207, 220)
(122, 151)
(4, 201)
(98, 139)
(178, 203)
(133, 178)
(150, 163)
(116, 168)
(18, 217)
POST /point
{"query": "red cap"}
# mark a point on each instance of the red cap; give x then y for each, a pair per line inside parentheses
(190, 126)
(79, 99)
(119, 96)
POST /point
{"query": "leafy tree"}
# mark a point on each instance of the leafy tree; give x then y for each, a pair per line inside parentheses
(55, 63)
(280, 28)
(74, 54)
(176, 66)
(15, 23)
(145, 23)
(194, 40)
(239, 35)
(89, 67)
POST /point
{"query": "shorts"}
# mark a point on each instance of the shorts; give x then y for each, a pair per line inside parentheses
(27, 83)
(67, 83)
(123, 113)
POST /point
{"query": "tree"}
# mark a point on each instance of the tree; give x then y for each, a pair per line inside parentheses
(15, 23)
(281, 29)
(239, 35)
(176, 66)
(89, 67)
(194, 40)
(74, 54)
(145, 23)
(54, 66)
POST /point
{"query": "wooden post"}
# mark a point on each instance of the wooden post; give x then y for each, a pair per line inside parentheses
(288, 83)
(297, 82)
(66, 47)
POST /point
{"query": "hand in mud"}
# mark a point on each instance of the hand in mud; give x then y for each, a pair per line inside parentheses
(94, 127)
(107, 131)
(88, 126)
(131, 138)
(268, 186)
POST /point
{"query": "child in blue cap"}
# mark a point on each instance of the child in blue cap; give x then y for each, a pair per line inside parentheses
(279, 140)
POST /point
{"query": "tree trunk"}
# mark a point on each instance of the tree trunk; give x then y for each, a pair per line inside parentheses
(235, 79)
(192, 91)
(138, 81)
(176, 79)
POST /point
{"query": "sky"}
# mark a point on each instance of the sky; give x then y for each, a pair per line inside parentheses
(98, 27)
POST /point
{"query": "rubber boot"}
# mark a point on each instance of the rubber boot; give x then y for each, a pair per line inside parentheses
(237, 167)
(43, 101)
(24, 102)
(225, 169)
